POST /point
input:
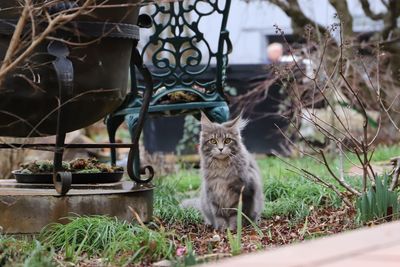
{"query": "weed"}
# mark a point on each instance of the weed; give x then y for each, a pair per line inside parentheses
(235, 241)
(378, 203)
(189, 259)
(24, 253)
(169, 193)
(40, 256)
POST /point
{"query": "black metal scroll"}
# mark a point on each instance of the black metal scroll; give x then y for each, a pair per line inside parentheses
(133, 166)
(65, 75)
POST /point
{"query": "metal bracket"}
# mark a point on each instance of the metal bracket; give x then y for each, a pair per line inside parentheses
(133, 167)
(65, 75)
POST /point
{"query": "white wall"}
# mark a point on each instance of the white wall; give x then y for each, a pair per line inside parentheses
(250, 22)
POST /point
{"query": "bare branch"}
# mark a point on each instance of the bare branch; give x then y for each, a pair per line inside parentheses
(342, 10)
(368, 12)
(299, 19)
(390, 20)
(314, 178)
(16, 38)
(341, 182)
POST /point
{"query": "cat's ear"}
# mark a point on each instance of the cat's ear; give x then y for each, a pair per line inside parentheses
(205, 121)
(237, 123)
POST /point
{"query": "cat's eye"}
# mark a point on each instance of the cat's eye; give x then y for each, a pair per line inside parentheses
(227, 141)
(213, 141)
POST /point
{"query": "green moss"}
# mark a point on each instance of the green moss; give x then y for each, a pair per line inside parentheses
(89, 171)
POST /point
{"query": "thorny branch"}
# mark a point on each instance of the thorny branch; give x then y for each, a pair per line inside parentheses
(334, 81)
(14, 56)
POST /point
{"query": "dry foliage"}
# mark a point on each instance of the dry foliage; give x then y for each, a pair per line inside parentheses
(346, 94)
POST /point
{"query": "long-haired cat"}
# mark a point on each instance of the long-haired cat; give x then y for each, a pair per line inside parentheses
(228, 171)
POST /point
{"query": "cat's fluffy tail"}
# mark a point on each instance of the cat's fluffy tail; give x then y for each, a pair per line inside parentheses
(191, 203)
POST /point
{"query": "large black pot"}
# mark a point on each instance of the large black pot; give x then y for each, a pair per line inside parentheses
(28, 96)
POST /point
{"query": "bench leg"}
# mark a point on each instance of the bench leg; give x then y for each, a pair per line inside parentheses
(218, 114)
(131, 121)
(61, 179)
(112, 126)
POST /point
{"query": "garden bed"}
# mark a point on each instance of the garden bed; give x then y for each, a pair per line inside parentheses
(296, 209)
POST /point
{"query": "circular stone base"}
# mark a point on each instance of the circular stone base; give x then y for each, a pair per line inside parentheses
(27, 208)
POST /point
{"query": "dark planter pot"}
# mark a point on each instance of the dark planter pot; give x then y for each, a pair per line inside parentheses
(28, 96)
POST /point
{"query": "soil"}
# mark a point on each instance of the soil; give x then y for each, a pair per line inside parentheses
(276, 231)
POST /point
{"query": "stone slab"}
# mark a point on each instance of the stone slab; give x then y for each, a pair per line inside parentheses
(26, 209)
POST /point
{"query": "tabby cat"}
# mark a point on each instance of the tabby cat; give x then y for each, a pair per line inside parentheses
(228, 172)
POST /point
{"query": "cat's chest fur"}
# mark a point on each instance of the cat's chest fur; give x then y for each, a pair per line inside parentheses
(222, 171)
(223, 180)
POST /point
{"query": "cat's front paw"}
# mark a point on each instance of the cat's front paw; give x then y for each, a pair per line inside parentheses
(221, 228)
(220, 224)
(233, 223)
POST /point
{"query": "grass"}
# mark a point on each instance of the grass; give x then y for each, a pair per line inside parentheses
(169, 193)
(116, 242)
(24, 253)
(235, 241)
(287, 194)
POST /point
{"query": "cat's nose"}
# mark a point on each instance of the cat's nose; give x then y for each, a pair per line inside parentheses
(220, 149)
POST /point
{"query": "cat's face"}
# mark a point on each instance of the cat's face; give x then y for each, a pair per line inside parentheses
(220, 141)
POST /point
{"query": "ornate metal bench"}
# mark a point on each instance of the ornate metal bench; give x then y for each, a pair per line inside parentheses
(177, 62)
